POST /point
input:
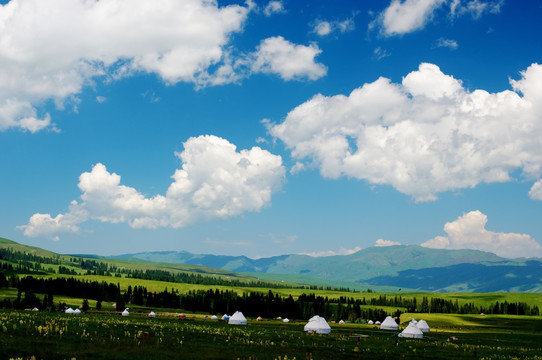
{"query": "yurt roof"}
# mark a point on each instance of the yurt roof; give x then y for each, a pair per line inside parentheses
(389, 324)
(237, 319)
(423, 326)
(317, 325)
(411, 331)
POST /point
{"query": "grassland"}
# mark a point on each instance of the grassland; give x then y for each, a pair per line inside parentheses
(109, 336)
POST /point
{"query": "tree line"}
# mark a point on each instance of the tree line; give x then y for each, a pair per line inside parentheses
(253, 303)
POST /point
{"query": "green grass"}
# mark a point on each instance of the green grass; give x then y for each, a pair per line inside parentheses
(109, 336)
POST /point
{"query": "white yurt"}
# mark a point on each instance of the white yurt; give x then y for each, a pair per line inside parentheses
(317, 325)
(126, 312)
(69, 311)
(237, 319)
(411, 331)
(214, 317)
(423, 326)
(77, 311)
(286, 320)
(370, 322)
(152, 314)
(389, 324)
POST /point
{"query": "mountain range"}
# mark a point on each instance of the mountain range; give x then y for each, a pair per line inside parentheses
(407, 267)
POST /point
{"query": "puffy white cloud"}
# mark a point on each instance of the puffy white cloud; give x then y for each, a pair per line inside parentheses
(447, 43)
(50, 49)
(215, 182)
(536, 191)
(384, 243)
(273, 7)
(276, 55)
(21, 114)
(341, 251)
(423, 136)
(323, 28)
(469, 232)
(407, 16)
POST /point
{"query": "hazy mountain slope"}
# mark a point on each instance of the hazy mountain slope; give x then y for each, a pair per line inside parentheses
(524, 277)
(365, 264)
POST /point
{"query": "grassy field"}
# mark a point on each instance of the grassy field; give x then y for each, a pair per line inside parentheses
(109, 336)
(480, 299)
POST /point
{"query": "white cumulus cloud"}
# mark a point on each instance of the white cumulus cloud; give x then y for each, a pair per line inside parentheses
(402, 17)
(274, 7)
(536, 191)
(469, 232)
(215, 182)
(423, 136)
(50, 50)
(276, 55)
(384, 243)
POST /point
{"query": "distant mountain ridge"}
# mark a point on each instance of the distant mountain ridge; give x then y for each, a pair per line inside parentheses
(389, 269)
(404, 266)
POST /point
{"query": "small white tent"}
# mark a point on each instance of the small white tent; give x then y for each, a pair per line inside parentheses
(225, 317)
(341, 322)
(77, 311)
(69, 311)
(259, 318)
(152, 314)
(423, 326)
(317, 325)
(237, 319)
(389, 324)
(286, 320)
(411, 331)
(370, 322)
(214, 317)
(125, 312)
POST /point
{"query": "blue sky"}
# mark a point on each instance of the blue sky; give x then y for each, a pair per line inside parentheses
(270, 127)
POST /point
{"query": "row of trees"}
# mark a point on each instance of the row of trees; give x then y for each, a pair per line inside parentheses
(251, 303)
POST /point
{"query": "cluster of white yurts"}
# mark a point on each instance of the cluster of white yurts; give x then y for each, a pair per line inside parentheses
(315, 325)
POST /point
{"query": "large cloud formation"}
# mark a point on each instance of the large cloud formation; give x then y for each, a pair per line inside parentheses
(51, 49)
(215, 182)
(469, 232)
(424, 136)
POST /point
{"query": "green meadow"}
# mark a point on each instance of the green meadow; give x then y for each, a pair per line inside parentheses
(103, 335)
